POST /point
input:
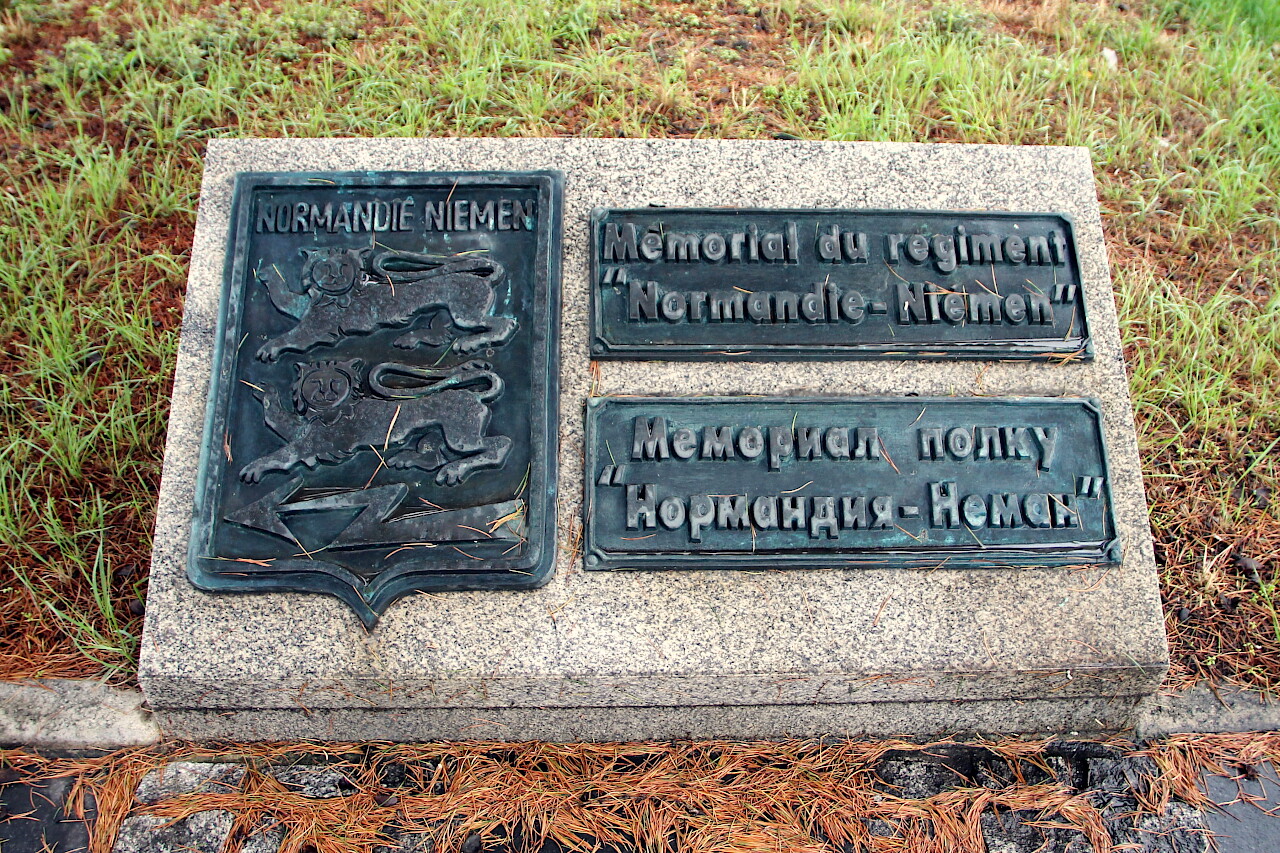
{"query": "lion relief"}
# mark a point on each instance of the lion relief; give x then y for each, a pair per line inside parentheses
(432, 419)
(343, 292)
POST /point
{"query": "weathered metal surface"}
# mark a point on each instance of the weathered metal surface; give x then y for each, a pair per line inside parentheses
(383, 407)
(754, 483)
(777, 284)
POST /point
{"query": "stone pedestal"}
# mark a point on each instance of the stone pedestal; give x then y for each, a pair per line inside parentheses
(672, 654)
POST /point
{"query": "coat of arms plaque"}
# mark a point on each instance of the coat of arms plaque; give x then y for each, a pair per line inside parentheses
(382, 415)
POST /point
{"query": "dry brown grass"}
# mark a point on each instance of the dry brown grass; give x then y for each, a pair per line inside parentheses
(693, 797)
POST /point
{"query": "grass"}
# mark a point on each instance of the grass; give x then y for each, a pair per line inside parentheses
(1260, 17)
(104, 110)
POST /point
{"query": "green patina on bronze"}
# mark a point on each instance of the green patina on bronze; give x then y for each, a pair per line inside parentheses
(383, 409)
(734, 283)
(846, 482)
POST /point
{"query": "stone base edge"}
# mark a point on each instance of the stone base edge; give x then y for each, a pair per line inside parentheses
(1058, 683)
(738, 722)
(66, 713)
(1207, 709)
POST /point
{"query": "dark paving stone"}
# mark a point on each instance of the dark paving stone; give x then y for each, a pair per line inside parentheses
(1008, 832)
(34, 818)
(916, 775)
(265, 838)
(996, 773)
(1121, 775)
(1181, 829)
(1244, 825)
(406, 842)
(394, 774)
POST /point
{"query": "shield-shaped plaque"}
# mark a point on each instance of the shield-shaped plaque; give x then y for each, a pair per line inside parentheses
(383, 405)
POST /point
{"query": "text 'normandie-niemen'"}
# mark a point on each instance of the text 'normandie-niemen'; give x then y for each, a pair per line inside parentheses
(828, 302)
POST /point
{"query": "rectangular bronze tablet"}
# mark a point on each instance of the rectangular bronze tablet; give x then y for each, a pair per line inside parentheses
(777, 483)
(728, 283)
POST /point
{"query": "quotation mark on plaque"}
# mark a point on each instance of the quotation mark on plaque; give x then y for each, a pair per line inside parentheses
(615, 275)
(1090, 487)
(610, 476)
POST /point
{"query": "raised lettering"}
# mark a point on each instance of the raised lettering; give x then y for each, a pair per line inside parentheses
(959, 442)
(808, 443)
(266, 219)
(974, 510)
(837, 440)
(764, 512)
(684, 443)
(717, 443)
(641, 509)
(727, 305)
(671, 513)
(866, 443)
(882, 512)
(321, 218)
(673, 307)
(781, 445)
(620, 243)
(682, 247)
(793, 512)
(1015, 250)
(853, 512)
(1047, 438)
(985, 249)
(931, 443)
(702, 514)
(649, 439)
(1005, 511)
(642, 300)
(732, 512)
(1063, 509)
(944, 505)
(1035, 511)
(944, 253)
(989, 446)
(823, 518)
(651, 246)
(1038, 250)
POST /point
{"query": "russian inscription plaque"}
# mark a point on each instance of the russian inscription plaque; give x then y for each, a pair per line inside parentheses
(383, 406)
(777, 284)
(746, 482)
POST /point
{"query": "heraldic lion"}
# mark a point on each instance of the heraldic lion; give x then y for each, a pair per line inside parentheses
(339, 298)
(333, 417)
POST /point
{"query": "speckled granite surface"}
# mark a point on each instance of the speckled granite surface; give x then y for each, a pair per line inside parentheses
(669, 639)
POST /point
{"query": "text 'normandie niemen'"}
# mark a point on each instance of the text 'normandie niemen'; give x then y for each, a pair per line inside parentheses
(397, 214)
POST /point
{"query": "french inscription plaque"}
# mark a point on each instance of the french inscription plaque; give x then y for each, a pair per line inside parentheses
(761, 483)
(778, 284)
(382, 414)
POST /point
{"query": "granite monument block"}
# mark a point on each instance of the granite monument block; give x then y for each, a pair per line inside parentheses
(997, 575)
